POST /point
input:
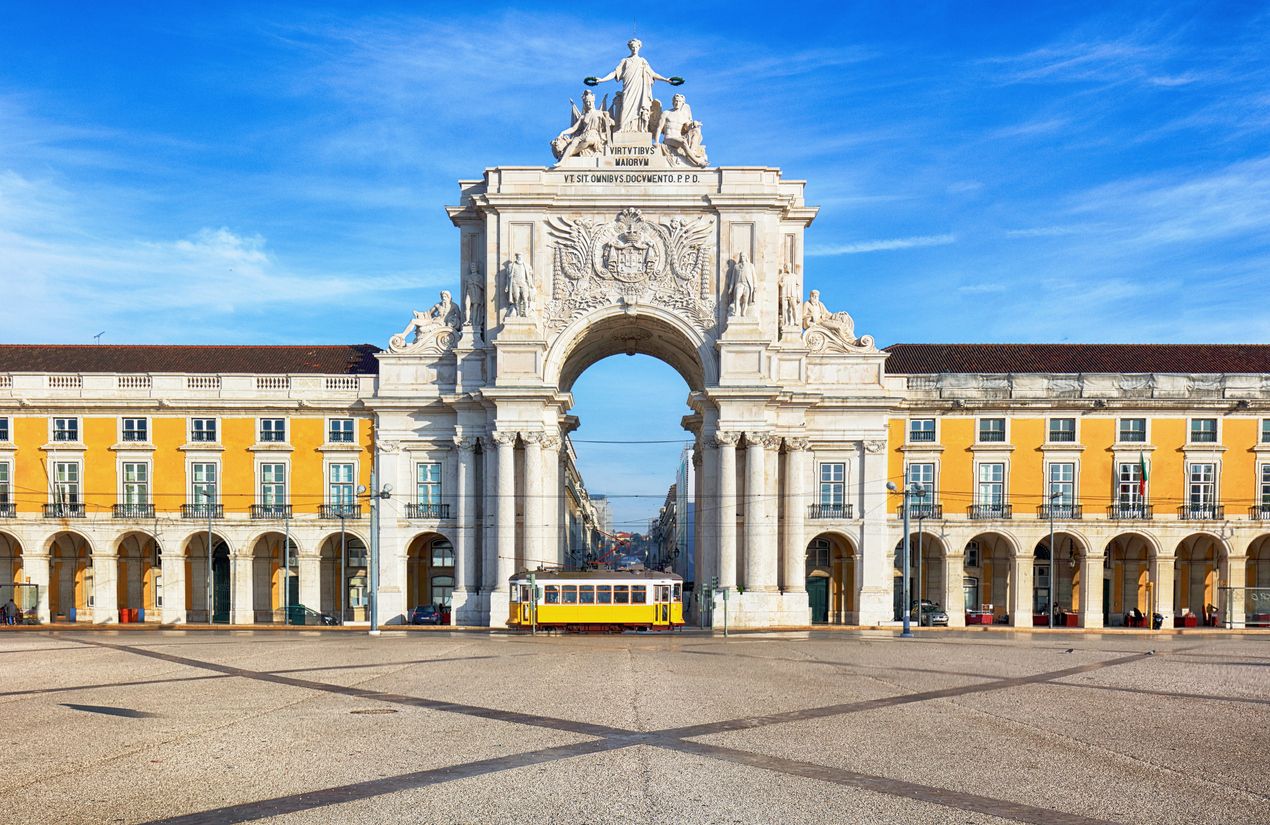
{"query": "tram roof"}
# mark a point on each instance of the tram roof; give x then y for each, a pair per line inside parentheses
(597, 575)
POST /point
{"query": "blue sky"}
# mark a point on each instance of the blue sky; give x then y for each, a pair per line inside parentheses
(274, 173)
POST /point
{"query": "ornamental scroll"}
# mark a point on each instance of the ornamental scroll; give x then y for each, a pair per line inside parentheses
(630, 259)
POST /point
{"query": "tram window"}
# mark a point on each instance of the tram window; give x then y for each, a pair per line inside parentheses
(603, 594)
(569, 593)
(661, 592)
(586, 594)
(553, 594)
(621, 594)
(678, 592)
(639, 594)
(515, 594)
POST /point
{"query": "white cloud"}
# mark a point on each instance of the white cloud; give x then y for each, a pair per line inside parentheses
(884, 245)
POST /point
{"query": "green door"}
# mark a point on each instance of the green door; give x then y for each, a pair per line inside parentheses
(220, 585)
(818, 596)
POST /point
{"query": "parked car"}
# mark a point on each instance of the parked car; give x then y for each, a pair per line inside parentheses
(299, 614)
(425, 614)
(930, 614)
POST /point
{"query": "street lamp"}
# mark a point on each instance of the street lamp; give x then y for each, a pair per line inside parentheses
(1053, 557)
(378, 494)
(908, 491)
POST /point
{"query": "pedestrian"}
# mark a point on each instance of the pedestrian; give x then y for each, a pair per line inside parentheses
(10, 612)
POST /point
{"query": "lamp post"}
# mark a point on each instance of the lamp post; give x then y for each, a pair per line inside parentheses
(1053, 558)
(376, 495)
(908, 491)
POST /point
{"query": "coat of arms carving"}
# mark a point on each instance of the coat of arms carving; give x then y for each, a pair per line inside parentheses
(632, 259)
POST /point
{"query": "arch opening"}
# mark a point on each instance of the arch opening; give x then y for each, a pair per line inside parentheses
(647, 331)
(207, 556)
(831, 566)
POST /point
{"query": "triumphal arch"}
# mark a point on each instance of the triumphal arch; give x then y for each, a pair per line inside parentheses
(633, 241)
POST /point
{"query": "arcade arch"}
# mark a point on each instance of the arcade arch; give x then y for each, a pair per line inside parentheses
(275, 577)
(1130, 577)
(204, 556)
(992, 577)
(71, 580)
(926, 570)
(429, 571)
(831, 578)
(1198, 566)
(138, 576)
(1063, 571)
(344, 559)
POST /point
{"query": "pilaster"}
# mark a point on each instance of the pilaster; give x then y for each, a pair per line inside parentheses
(1091, 590)
(876, 579)
(725, 443)
(242, 598)
(35, 567)
(954, 592)
(105, 592)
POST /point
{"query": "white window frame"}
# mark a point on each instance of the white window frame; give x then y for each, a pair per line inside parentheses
(974, 555)
(1119, 480)
(55, 493)
(1049, 429)
(934, 431)
(1146, 429)
(286, 483)
(1050, 481)
(1215, 470)
(6, 482)
(930, 496)
(1190, 429)
(260, 430)
(193, 482)
(439, 483)
(215, 426)
(1004, 482)
(123, 482)
(1005, 429)
(331, 468)
(1263, 485)
(79, 429)
(839, 484)
(6, 429)
(123, 429)
(352, 433)
(1264, 437)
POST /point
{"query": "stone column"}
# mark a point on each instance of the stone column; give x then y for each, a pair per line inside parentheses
(489, 543)
(1161, 578)
(464, 546)
(35, 569)
(795, 540)
(105, 594)
(1231, 603)
(700, 569)
(243, 595)
(505, 519)
(1021, 591)
(1091, 590)
(535, 523)
(725, 443)
(954, 592)
(309, 568)
(552, 502)
(875, 601)
(758, 541)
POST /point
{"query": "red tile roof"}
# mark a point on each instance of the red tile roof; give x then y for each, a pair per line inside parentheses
(908, 359)
(284, 360)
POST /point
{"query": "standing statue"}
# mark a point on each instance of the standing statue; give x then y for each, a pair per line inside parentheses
(636, 77)
(743, 286)
(791, 297)
(680, 134)
(588, 134)
(520, 288)
(474, 298)
(443, 317)
(815, 313)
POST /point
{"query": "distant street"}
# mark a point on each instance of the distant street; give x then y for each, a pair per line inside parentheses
(452, 727)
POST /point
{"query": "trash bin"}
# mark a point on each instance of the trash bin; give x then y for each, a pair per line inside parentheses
(1157, 621)
(70, 615)
(123, 615)
(141, 614)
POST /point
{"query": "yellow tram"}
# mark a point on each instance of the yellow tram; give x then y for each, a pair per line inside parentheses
(604, 600)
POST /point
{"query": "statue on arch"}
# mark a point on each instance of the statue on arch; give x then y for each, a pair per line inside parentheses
(588, 134)
(832, 331)
(435, 328)
(636, 77)
(743, 287)
(791, 295)
(520, 287)
(474, 298)
(680, 134)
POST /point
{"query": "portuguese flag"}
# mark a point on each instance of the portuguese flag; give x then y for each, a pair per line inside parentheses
(1143, 475)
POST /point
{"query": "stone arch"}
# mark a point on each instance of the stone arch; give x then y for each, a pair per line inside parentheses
(197, 559)
(1065, 572)
(1129, 567)
(1200, 568)
(645, 330)
(425, 577)
(11, 567)
(71, 576)
(274, 587)
(995, 576)
(927, 551)
(1257, 579)
(343, 556)
(138, 576)
(831, 564)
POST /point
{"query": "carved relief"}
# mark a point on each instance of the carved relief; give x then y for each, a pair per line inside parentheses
(629, 259)
(874, 447)
(435, 331)
(825, 331)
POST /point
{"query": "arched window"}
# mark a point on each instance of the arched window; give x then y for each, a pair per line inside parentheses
(819, 553)
(442, 554)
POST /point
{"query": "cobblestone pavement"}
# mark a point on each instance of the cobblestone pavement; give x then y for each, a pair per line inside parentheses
(199, 727)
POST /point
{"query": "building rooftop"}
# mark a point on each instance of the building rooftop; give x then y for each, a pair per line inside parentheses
(343, 359)
(918, 359)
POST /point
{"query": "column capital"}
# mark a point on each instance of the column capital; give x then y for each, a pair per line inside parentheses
(726, 438)
(531, 437)
(550, 442)
(763, 439)
(797, 445)
(504, 437)
(465, 443)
